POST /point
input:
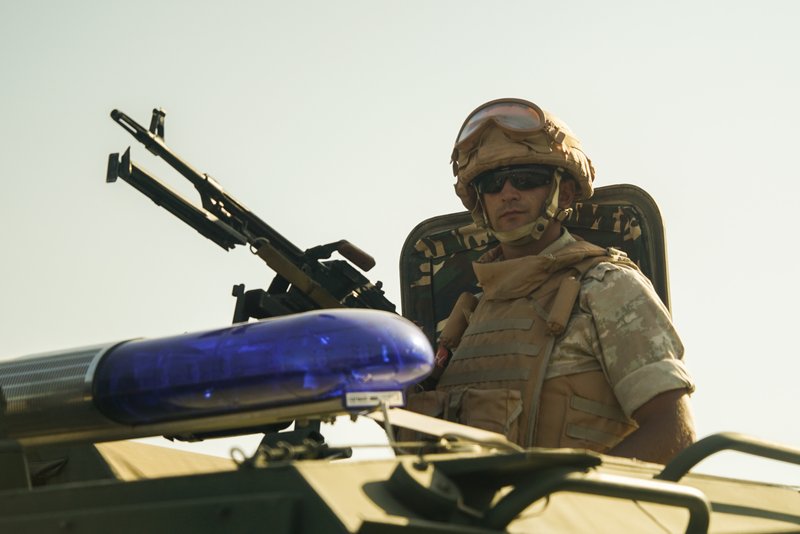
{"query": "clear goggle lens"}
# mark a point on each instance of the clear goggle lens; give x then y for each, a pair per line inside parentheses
(512, 114)
(522, 178)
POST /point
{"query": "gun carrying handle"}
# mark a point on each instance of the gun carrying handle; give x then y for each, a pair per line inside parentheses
(361, 259)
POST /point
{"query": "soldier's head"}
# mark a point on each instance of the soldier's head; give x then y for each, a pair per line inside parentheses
(511, 146)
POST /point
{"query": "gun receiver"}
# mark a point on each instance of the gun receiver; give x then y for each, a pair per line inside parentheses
(302, 282)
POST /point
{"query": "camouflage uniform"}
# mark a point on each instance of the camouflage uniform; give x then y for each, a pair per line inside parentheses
(620, 327)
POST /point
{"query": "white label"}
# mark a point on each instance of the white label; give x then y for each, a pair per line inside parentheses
(361, 399)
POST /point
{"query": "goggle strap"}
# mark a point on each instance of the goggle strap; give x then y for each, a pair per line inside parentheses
(555, 133)
(551, 204)
(550, 207)
(483, 213)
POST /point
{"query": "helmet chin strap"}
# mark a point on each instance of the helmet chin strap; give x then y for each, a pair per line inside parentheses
(533, 231)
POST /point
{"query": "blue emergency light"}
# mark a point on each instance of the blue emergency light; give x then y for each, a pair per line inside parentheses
(289, 360)
(338, 357)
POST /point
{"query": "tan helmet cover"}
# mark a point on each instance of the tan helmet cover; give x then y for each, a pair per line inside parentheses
(496, 147)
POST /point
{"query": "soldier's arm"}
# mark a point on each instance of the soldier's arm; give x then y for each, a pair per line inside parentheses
(665, 428)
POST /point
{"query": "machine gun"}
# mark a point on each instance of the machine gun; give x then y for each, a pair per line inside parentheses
(302, 282)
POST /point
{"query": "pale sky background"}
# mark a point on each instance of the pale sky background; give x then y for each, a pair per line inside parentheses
(336, 120)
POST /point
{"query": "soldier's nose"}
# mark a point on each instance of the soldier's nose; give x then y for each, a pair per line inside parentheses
(509, 190)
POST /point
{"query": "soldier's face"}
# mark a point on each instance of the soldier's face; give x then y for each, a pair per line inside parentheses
(511, 208)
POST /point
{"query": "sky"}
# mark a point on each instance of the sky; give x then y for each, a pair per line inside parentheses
(335, 120)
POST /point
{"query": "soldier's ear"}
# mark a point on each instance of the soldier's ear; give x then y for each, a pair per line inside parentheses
(566, 193)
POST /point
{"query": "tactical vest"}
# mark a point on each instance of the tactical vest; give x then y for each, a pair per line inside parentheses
(495, 379)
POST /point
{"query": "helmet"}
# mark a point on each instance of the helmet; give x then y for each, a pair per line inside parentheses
(510, 132)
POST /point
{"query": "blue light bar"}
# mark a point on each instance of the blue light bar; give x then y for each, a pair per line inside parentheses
(283, 361)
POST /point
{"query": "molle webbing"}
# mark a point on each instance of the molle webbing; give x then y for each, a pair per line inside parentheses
(489, 375)
(581, 410)
(477, 351)
(496, 325)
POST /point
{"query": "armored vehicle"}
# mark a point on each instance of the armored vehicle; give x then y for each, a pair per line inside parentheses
(326, 343)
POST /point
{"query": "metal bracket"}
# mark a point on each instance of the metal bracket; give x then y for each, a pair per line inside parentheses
(14, 473)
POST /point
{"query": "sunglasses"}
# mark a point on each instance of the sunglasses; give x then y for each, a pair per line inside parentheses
(522, 178)
(512, 114)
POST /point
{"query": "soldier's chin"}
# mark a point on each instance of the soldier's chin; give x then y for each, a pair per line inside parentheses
(511, 225)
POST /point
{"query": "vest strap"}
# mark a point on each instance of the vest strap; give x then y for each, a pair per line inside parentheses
(490, 375)
(533, 416)
(539, 309)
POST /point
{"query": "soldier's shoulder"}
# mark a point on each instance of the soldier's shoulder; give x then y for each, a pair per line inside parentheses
(599, 271)
(615, 270)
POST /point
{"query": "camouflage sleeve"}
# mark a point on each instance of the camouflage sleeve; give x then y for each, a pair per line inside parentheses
(640, 351)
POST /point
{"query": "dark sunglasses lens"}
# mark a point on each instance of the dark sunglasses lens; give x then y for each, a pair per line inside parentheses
(491, 184)
(528, 181)
(521, 180)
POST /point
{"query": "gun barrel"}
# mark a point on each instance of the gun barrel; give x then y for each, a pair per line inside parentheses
(205, 223)
(155, 144)
(214, 199)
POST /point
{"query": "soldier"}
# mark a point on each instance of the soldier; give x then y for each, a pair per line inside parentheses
(568, 345)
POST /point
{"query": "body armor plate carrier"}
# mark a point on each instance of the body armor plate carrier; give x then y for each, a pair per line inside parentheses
(495, 379)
